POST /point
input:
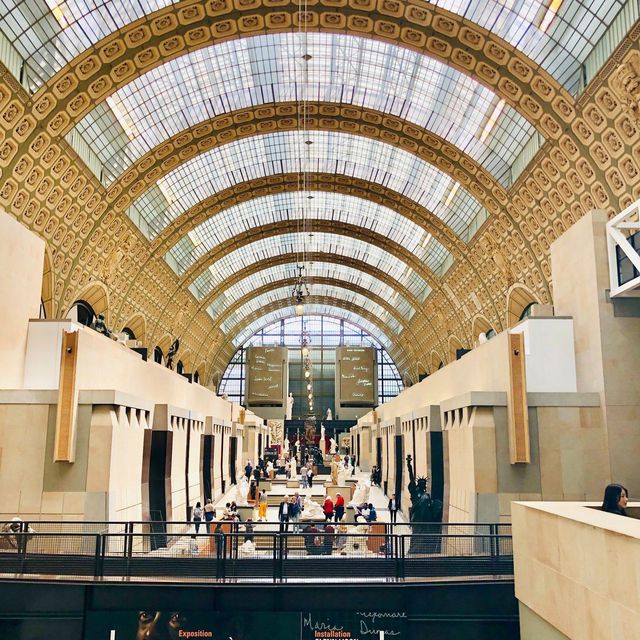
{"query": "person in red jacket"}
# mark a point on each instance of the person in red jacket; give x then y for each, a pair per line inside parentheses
(327, 508)
(339, 507)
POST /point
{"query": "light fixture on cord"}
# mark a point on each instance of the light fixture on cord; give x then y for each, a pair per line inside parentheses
(300, 291)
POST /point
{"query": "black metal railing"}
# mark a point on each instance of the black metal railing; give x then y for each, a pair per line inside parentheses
(266, 553)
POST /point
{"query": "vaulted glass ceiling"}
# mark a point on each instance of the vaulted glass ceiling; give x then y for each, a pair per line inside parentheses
(329, 243)
(285, 152)
(311, 310)
(283, 294)
(269, 69)
(317, 269)
(320, 205)
(50, 33)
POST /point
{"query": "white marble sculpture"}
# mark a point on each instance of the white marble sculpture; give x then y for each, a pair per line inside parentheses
(332, 446)
(242, 492)
(269, 469)
(329, 415)
(312, 510)
(342, 475)
(286, 445)
(361, 494)
(247, 548)
(322, 443)
(289, 406)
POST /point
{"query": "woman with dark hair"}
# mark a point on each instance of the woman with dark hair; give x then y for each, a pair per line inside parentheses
(615, 499)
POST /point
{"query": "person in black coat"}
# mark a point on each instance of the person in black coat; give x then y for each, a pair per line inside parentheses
(284, 514)
(393, 508)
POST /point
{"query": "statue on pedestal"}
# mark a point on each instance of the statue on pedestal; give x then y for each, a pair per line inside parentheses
(425, 537)
(242, 492)
(335, 470)
(332, 446)
(322, 443)
(361, 494)
(311, 510)
(329, 414)
(289, 406)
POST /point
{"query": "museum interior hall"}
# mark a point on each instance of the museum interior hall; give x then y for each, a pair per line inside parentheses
(319, 319)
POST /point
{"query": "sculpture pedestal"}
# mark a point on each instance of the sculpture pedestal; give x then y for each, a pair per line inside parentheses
(245, 512)
(333, 489)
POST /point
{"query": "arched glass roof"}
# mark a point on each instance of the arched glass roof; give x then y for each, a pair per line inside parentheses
(284, 294)
(323, 205)
(313, 270)
(312, 310)
(268, 69)
(49, 33)
(285, 152)
(264, 249)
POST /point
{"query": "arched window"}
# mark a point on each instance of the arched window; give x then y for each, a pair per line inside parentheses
(158, 355)
(491, 334)
(526, 312)
(196, 377)
(180, 367)
(82, 313)
(130, 334)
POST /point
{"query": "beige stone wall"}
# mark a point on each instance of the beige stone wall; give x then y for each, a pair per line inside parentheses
(606, 343)
(578, 569)
(21, 267)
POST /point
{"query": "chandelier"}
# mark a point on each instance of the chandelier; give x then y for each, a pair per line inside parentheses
(300, 291)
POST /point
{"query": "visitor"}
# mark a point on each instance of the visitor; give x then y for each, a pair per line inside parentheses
(219, 537)
(248, 530)
(327, 508)
(256, 475)
(393, 509)
(374, 475)
(233, 511)
(373, 514)
(353, 465)
(209, 514)
(303, 476)
(248, 469)
(262, 506)
(284, 514)
(252, 490)
(329, 537)
(310, 478)
(197, 516)
(296, 510)
(615, 499)
(339, 507)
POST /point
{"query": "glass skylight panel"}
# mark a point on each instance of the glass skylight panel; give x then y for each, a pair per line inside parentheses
(268, 69)
(50, 33)
(330, 152)
(312, 310)
(331, 244)
(284, 294)
(312, 270)
(283, 207)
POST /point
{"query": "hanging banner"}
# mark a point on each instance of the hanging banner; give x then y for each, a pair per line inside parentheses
(193, 625)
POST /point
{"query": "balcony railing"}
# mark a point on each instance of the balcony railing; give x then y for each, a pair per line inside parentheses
(173, 551)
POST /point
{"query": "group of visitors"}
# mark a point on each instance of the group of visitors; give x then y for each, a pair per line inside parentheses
(333, 510)
(289, 511)
(306, 475)
(367, 511)
(376, 476)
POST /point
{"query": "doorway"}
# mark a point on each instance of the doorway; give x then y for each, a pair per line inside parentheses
(399, 467)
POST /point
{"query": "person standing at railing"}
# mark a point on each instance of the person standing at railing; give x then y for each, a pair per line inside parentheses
(197, 516)
(209, 514)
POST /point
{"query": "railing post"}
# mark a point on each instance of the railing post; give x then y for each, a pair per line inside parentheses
(98, 559)
(275, 545)
(22, 549)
